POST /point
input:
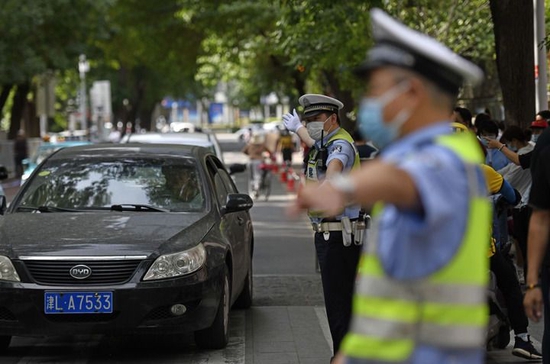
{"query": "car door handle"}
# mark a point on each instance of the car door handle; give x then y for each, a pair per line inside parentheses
(240, 220)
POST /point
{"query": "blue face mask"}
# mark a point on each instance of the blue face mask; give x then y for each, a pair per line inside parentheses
(371, 117)
(511, 147)
(534, 138)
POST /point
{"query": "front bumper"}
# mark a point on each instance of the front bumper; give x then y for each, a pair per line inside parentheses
(138, 307)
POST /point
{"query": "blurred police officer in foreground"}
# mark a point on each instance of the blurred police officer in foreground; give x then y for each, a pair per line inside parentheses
(421, 285)
(338, 237)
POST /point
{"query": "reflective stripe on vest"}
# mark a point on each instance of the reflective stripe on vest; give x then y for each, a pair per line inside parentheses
(312, 171)
(446, 309)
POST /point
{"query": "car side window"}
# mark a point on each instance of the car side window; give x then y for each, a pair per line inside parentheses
(219, 186)
(228, 181)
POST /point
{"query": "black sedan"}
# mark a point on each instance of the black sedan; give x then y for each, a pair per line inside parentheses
(126, 239)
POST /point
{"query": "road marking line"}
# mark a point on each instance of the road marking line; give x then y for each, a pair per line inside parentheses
(321, 313)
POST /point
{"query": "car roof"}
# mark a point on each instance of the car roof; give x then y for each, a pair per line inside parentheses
(132, 150)
(204, 138)
(63, 144)
(167, 137)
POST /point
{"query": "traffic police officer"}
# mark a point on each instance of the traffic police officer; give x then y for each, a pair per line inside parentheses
(338, 238)
(421, 285)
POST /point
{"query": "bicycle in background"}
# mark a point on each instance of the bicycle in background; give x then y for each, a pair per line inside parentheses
(261, 173)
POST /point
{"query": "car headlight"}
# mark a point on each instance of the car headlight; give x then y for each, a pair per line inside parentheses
(7, 270)
(177, 264)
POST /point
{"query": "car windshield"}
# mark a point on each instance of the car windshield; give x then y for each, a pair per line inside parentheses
(171, 184)
(43, 152)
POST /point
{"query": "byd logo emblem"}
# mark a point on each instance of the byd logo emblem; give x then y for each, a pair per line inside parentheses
(80, 271)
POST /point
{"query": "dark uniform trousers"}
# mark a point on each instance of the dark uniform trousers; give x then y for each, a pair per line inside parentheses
(338, 265)
(508, 284)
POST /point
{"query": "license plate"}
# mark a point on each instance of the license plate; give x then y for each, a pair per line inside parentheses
(78, 302)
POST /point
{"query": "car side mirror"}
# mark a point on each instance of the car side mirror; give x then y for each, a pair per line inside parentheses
(3, 173)
(3, 204)
(237, 202)
(237, 168)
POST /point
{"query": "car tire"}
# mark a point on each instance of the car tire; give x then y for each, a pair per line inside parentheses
(244, 300)
(5, 341)
(217, 335)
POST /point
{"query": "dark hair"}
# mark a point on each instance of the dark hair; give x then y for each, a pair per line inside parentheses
(480, 118)
(545, 114)
(515, 132)
(528, 132)
(487, 126)
(465, 114)
(357, 136)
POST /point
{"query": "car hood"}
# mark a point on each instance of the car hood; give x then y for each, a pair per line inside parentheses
(114, 233)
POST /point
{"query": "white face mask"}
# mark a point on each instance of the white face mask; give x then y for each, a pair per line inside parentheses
(315, 129)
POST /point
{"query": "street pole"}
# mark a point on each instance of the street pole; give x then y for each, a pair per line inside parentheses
(541, 78)
(83, 67)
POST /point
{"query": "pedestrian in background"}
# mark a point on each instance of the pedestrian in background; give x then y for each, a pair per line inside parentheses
(285, 145)
(338, 237)
(421, 287)
(256, 150)
(20, 152)
(463, 116)
(517, 141)
(365, 150)
(523, 160)
(537, 296)
(537, 127)
(488, 131)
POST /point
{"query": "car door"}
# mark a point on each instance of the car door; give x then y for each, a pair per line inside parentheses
(238, 225)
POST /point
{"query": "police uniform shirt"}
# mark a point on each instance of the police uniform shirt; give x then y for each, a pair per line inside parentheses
(412, 245)
(344, 152)
(496, 159)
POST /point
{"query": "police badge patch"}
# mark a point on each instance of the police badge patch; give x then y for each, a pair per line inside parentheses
(336, 149)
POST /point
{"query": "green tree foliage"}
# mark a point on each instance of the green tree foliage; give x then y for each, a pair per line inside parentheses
(184, 48)
(42, 35)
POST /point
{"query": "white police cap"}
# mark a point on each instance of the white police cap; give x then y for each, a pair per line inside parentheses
(399, 46)
(316, 104)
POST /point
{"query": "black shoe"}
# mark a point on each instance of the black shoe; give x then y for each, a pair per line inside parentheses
(525, 349)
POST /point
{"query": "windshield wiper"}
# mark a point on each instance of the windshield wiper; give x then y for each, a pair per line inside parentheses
(46, 209)
(136, 207)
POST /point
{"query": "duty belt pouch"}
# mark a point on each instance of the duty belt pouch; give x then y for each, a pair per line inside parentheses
(361, 227)
(346, 230)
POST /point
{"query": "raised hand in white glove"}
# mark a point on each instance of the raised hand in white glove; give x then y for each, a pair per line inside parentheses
(292, 121)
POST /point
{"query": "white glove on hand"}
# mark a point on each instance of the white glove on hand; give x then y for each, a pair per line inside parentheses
(292, 121)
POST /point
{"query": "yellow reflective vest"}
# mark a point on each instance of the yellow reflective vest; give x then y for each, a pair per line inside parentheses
(312, 170)
(446, 309)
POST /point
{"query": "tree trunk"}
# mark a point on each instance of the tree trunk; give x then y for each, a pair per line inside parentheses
(343, 95)
(4, 97)
(299, 83)
(17, 108)
(514, 39)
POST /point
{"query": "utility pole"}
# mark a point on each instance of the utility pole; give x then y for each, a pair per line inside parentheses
(541, 77)
(83, 67)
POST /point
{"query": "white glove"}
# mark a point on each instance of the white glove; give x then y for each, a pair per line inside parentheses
(292, 121)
